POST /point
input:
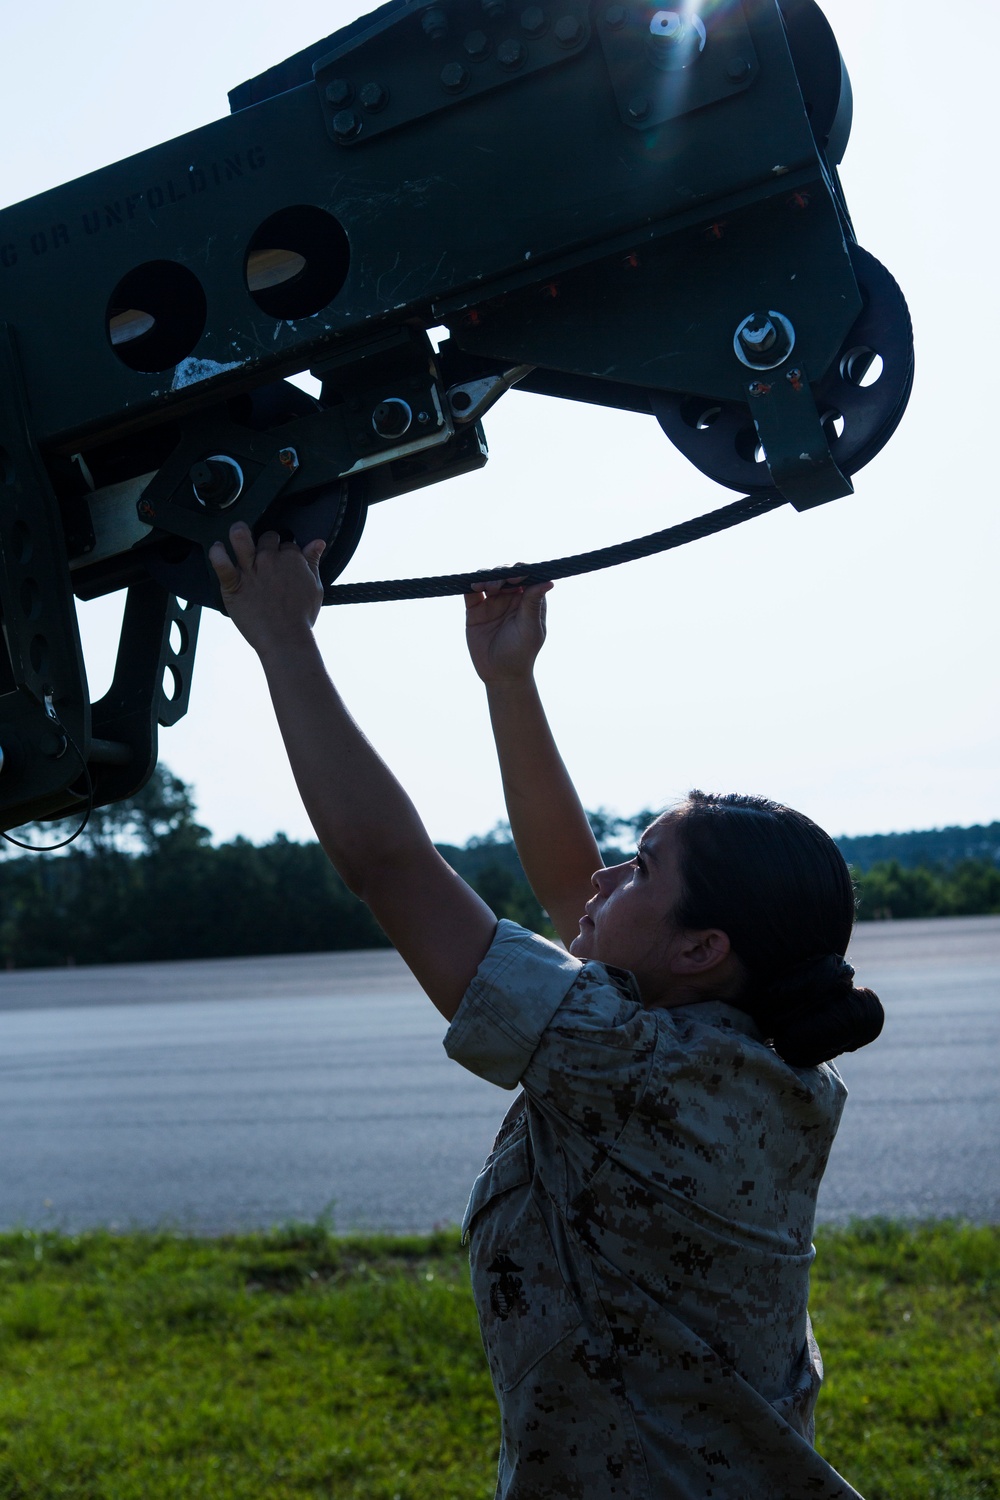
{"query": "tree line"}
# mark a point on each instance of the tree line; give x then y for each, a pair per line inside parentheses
(144, 882)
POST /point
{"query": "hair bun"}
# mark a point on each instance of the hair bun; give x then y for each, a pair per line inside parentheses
(816, 1012)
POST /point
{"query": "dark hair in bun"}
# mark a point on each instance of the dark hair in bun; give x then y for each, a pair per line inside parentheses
(779, 887)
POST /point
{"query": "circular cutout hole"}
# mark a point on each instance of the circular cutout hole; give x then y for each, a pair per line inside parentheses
(748, 446)
(267, 268)
(178, 638)
(171, 683)
(699, 413)
(461, 401)
(156, 315)
(131, 324)
(861, 366)
(297, 262)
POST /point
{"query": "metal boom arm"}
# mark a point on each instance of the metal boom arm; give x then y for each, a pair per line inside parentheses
(625, 204)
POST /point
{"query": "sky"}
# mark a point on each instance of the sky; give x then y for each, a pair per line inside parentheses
(842, 660)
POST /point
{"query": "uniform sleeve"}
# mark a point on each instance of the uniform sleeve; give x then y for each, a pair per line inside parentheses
(574, 1035)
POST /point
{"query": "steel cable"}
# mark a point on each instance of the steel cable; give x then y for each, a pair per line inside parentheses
(714, 521)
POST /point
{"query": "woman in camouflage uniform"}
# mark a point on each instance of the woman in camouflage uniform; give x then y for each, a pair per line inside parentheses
(641, 1232)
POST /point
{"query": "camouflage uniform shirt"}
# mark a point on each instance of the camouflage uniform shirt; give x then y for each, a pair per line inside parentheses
(641, 1238)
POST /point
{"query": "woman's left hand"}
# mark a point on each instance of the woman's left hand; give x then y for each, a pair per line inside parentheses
(273, 591)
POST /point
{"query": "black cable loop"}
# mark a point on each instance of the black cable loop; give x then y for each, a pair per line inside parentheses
(50, 848)
(382, 591)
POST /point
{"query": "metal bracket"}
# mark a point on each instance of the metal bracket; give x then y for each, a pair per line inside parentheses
(471, 400)
(423, 62)
(666, 61)
(795, 444)
(43, 685)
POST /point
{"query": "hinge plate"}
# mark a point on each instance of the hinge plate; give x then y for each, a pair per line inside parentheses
(657, 78)
(386, 79)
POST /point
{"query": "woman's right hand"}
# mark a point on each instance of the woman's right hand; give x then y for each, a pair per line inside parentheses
(505, 628)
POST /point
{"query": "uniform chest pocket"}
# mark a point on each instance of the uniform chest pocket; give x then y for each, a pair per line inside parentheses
(526, 1308)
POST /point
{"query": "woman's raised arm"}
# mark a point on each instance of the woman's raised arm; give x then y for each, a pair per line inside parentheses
(364, 820)
(505, 630)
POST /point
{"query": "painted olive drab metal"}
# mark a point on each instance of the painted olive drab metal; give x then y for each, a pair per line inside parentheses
(635, 206)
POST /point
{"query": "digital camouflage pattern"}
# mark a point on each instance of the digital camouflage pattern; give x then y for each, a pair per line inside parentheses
(641, 1237)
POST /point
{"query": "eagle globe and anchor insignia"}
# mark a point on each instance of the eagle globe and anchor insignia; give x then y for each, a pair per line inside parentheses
(507, 1292)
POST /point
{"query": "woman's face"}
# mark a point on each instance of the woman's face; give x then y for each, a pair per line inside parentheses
(629, 923)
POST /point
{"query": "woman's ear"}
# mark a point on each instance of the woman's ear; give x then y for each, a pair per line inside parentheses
(698, 953)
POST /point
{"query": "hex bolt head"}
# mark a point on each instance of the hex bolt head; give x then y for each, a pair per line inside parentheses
(373, 97)
(435, 23)
(764, 340)
(567, 31)
(737, 68)
(392, 417)
(615, 16)
(216, 482)
(759, 335)
(477, 45)
(346, 125)
(454, 77)
(638, 107)
(668, 26)
(510, 54)
(533, 20)
(339, 93)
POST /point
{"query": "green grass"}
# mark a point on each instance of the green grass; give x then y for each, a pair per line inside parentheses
(298, 1364)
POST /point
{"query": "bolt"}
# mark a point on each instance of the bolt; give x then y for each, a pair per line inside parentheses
(759, 334)
(510, 54)
(339, 93)
(764, 340)
(217, 481)
(533, 20)
(494, 8)
(638, 107)
(615, 16)
(289, 459)
(346, 125)
(551, 290)
(423, 417)
(373, 97)
(391, 418)
(737, 69)
(758, 388)
(798, 201)
(567, 31)
(454, 77)
(435, 24)
(477, 45)
(668, 26)
(716, 231)
(676, 39)
(145, 511)
(631, 260)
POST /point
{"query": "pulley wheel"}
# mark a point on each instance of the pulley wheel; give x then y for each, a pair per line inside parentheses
(822, 76)
(335, 511)
(860, 399)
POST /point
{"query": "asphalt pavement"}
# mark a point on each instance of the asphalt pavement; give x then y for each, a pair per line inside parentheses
(249, 1092)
